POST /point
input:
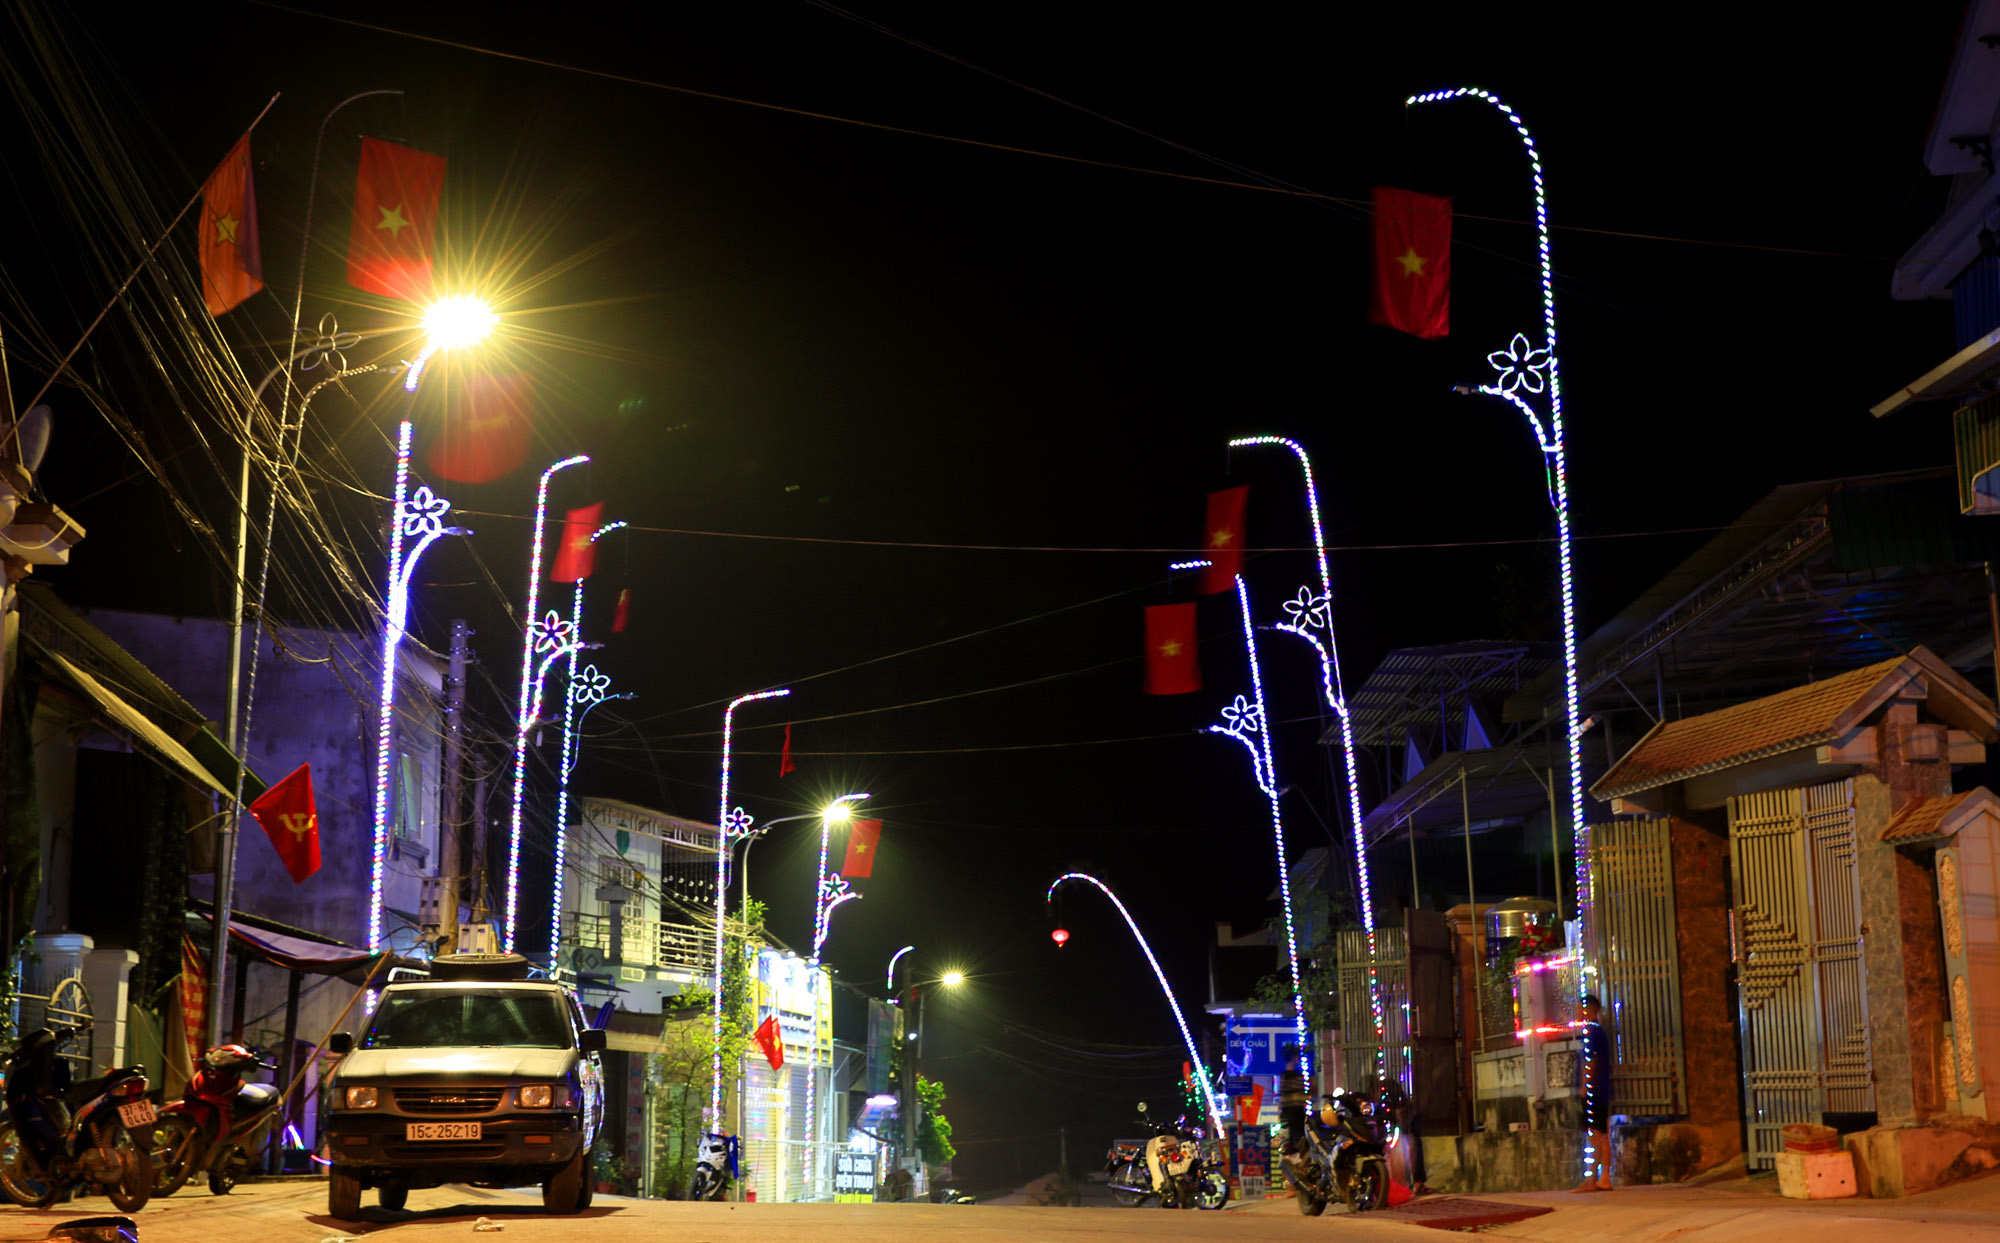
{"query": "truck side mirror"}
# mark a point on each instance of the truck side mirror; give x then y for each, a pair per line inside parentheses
(340, 1043)
(592, 1040)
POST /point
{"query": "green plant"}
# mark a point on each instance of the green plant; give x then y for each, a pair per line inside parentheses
(677, 1078)
(933, 1128)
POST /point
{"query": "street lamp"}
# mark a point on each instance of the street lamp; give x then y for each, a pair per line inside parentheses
(590, 693)
(730, 823)
(912, 1055)
(828, 892)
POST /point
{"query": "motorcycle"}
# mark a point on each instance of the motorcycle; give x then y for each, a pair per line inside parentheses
(711, 1168)
(216, 1124)
(1344, 1156)
(58, 1135)
(1191, 1173)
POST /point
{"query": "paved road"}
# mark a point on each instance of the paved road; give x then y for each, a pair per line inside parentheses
(295, 1212)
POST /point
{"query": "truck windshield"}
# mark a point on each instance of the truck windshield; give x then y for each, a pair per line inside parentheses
(484, 1018)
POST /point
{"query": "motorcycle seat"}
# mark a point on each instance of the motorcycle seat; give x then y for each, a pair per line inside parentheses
(83, 1090)
(253, 1097)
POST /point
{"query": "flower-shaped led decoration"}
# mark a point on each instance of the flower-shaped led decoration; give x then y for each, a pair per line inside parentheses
(833, 888)
(1520, 366)
(332, 345)
(423, 514)
(590, 686)
(1307, 609)
(552, 633)
(1244, 717)
(737, 824)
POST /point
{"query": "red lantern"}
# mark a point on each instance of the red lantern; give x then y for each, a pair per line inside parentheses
(1059, 936)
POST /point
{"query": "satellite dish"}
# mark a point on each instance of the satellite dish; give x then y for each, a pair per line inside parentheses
(32, 437)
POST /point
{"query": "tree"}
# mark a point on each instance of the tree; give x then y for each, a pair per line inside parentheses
(933, 1128)
(678, 1078)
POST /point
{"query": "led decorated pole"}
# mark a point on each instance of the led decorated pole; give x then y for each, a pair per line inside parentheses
(588, 693)
(419, 516)
(1173, 1003)
(1249, 724)
(528, 706)
(891, 981)
(732, 823)
(1523, 371)
(840, 810)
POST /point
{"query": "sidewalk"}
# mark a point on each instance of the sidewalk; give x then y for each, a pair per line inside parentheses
(1733, 1211)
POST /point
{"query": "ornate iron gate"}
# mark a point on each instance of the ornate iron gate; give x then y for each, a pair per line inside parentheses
(1631, 878)
(1801, 993)
(1356, 1045)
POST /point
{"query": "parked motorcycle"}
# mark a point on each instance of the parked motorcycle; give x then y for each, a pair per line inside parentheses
(58, 1136)
(711, 1169)
(1343, 1157)
(216, 1124)
(1191, 1173)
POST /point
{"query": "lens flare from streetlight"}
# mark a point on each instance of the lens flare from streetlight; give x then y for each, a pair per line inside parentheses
(839, 812)
(452, 323)
(952, 979)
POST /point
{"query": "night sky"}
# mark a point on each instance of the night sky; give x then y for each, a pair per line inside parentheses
(913, 425)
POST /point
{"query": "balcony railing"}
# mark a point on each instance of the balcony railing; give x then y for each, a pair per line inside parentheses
(644, 942)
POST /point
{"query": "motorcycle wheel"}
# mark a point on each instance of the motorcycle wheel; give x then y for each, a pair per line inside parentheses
(1131, 1174)
(1212, 1192)
(176, 1147)
(1309, 1177)
(19, 1179)
(1371, 1185)
(703, 1187)
(228, 1169)
(134, 1185)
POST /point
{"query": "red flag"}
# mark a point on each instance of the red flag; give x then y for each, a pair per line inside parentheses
(231, 268)
(395, 219)
(623, 613)
(291, 822)
(1171, 667)
(771, 1042)
(576, 557)
(485, 428)
(194, 998)
(1222, 539)
(1411, 291)
(785, 764)
(863, 836)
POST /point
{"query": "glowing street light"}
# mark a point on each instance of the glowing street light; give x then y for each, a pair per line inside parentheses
(456, 322)
(952, 979)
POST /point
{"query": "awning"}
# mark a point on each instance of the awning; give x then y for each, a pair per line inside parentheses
(137, 723)
(293, 952)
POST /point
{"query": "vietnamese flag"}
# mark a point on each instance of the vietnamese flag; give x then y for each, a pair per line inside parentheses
(1222, 539)
(621, 616)
(785, 764)
(863, 837)
(484, 430)
(1171, 667)
(1411, 290)
(389, 244)
(291, 822)
(576, 556)
(771, 1042)
(231, 267)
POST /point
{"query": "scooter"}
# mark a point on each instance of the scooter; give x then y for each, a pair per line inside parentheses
(216, 1125)
(712, 1166)
(1191, 1174)
(58, 1135)
(1344, 1156)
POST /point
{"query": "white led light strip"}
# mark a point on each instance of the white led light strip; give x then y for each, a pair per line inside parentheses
(726, 820)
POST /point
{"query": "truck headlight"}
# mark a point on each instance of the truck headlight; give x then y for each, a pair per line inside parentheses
(537, 1096)
(361, 1098)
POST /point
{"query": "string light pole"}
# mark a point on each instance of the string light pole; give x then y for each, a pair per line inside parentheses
(588, 693)
(828, 893)
(528, 705)
(1248, 723)
(1180, 1019)
(890, 983)
(731, 823)
(1524, 370)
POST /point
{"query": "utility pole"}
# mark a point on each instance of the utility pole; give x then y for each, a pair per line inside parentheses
(452, 822)
(475, 861)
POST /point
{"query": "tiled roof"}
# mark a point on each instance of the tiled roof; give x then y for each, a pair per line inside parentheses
(1804, 716)
(1922, 819)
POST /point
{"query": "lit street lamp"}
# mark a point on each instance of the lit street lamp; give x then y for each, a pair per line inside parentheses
(913, 1052)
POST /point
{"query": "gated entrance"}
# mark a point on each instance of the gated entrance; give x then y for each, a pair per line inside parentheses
(1796, 939)
(1632, 879)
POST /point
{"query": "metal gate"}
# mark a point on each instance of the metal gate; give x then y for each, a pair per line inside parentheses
(1356, 1046)
(1801, 992)
(1433, 992)
(1638, 960)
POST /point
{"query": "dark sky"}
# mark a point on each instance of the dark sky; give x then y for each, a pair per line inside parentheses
(882, 395)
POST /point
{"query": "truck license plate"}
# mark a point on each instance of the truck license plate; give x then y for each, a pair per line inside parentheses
(136, 1114)
(441, 1130)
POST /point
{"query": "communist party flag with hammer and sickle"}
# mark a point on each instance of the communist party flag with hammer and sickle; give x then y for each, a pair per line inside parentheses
(290, 821)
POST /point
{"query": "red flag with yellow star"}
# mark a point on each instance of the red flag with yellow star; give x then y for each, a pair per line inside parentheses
(1171, 666)
(231, 267)
(864, 837)
(576, 556)
(395, 219)
(1411, 291)
(1222, 539)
